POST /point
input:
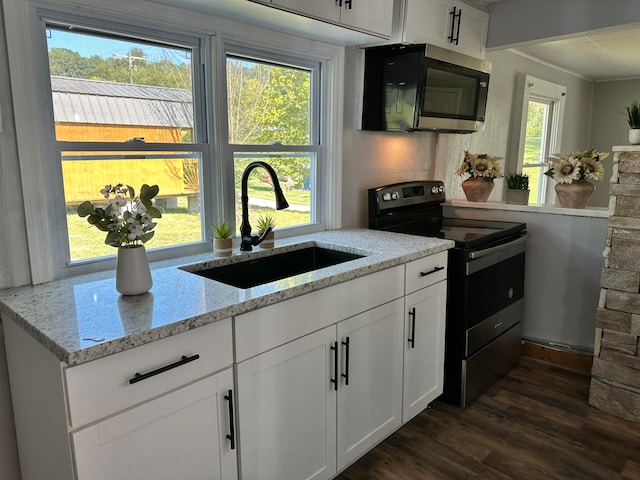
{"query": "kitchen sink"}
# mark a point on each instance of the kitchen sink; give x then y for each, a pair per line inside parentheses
(258, 271)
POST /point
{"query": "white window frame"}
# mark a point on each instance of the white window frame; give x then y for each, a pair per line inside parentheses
(537, 89)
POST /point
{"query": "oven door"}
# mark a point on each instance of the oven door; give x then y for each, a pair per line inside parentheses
(493, 287)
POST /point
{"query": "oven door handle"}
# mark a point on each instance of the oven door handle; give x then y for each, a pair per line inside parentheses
(489, 251)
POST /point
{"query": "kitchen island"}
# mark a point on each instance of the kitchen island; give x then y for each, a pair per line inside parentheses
(105, 385)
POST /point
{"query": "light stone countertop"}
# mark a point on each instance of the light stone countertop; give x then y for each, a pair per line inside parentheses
(84, 318)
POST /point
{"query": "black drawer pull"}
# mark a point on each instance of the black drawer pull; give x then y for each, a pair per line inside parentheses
(412, 339)
(435, 269)
(138, 377)
(345, 342)
(232, 431)
(334, 380)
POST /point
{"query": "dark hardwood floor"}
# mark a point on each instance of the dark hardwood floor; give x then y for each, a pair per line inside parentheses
(534, 423)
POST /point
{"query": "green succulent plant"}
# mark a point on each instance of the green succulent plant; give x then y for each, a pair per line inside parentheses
(633, 114)
(518, 181)
(265, 221)
(222, 230)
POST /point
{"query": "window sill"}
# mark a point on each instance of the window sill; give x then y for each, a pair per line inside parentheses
(596, 212)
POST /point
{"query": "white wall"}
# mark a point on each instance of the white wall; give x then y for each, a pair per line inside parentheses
(495, 139)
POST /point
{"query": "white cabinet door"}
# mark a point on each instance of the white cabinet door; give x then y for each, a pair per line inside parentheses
(179, 435)
(369, 15)
(424, 348)
(473, 30)
(370, 390)
(432, 21)
(287, 410)
(321, 9)
(427, 21)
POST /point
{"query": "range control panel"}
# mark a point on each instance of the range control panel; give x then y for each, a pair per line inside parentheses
(405, 194)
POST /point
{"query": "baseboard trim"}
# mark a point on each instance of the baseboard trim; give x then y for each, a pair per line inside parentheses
(571, 359)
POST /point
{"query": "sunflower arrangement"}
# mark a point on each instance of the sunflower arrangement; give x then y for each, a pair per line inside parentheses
(480, 165)
(569, 167)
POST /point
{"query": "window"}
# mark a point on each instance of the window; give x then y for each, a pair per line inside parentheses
(272, 109)
(542, 113)
(125, 111)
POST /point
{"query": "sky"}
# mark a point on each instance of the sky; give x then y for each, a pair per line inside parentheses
(89, 45)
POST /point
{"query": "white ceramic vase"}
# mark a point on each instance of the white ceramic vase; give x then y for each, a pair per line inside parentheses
(634, 136)
(133, 275)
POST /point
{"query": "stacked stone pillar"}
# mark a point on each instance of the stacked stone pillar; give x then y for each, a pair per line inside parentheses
(615, 382)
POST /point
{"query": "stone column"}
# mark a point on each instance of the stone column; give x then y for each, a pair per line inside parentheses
(615, 382)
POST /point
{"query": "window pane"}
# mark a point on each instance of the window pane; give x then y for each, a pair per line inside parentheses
(296, 172)
(175, 173)
(108, 89)
(268, 103)
(535, 183)
(535, 133)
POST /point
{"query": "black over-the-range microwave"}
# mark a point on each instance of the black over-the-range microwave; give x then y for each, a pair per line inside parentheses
(424, 87)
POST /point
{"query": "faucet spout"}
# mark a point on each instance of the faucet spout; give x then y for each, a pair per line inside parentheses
(247, 241)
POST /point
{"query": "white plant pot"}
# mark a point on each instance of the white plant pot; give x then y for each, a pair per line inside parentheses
(133, 275)
(634, 136)
(517, 196)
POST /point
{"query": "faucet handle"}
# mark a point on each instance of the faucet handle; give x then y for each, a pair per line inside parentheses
(255, 240)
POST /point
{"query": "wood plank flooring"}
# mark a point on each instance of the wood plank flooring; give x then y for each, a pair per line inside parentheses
(534, 423)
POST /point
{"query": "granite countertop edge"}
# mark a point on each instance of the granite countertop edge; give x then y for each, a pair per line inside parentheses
(79, 334)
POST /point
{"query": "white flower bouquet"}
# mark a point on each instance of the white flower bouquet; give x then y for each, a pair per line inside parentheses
(569, 167)
(480, 165)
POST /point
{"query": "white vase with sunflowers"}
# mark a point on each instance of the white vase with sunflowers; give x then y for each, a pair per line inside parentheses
(482, 169)
(128, 221)
(572, 172)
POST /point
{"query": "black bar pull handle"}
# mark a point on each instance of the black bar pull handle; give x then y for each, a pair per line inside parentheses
(138, 377)
(334, 380)
(339, 2)
(435, 269)
(412, 339)
(347, 3)
(232, 430)
(345, 375)
(455, 16)
(459, 22)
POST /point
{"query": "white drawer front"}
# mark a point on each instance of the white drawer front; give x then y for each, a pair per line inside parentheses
(102, 387)
(271, 326)
(426, 271)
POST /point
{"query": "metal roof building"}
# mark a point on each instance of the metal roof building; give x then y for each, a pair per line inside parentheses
(78, 100)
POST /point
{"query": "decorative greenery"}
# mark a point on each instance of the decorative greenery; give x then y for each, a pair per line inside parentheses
(222, 230)
(128, 222)
(633, 114)
(265, 221)
(518, 181)
(567, 167)
(480, 165)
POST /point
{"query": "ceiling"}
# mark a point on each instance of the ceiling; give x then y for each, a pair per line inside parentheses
(613, 55)
(598, 56)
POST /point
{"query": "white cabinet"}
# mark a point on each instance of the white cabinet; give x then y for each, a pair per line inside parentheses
(338, 389)
(155, 411)
(424, 348)
(370, 16)
(370, 390)
(179, 432)
(446, 23)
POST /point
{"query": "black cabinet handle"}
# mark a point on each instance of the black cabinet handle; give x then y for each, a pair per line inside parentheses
(435, 269)
(138, 377)
(412, 339)
(346, 361)
(232, 431)
(334, 380)
(339, 2)
(347, 3)
(455, 16)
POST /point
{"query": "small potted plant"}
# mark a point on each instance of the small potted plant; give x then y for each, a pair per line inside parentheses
(222, 232)
(518, 189)
(633, 118)
(265, 221)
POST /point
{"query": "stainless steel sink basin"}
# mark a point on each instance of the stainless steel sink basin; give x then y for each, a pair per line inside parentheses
(258, 271)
